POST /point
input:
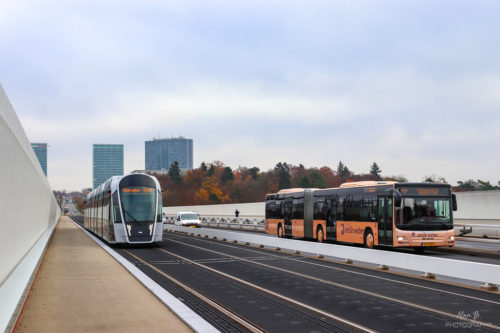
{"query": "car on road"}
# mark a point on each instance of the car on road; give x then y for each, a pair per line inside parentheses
(188, 219)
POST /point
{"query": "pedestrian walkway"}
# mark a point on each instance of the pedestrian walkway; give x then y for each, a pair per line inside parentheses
(81, 288)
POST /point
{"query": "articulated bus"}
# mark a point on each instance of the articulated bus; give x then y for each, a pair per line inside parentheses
(372, 213)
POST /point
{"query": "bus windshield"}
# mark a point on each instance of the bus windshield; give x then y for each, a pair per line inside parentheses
(425, 213)
(138, 203)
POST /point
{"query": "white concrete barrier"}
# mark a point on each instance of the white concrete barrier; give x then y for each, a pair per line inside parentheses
(473, 271)
(28, 211)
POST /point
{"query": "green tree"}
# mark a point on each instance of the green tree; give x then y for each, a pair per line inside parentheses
(211, 170)
(282, 171)
(203, 166)
(174, 172)
(375, 170)
(343, 171)
(227, 174)
(254, 172)
(317, 179)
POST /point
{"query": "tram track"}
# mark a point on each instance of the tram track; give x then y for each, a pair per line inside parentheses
(460, 300)
(292, 316)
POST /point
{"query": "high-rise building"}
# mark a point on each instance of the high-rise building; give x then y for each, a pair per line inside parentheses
(40, 150)
(162, 153)
(107, 161)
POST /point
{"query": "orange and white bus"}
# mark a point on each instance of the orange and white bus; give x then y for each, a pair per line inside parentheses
(372, 213)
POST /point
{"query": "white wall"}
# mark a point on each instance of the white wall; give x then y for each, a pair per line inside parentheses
(254, 209)
(27, 205)
(478, 205)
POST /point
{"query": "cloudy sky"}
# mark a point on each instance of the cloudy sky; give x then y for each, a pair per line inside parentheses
(411, 85)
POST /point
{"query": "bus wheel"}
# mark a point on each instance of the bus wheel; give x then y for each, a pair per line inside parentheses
(369, 239)
(280, 231)
(320, 235)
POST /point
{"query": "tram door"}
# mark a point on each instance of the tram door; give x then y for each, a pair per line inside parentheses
(385, 220)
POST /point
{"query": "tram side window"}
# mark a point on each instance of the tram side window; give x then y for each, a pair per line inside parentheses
(116, 208)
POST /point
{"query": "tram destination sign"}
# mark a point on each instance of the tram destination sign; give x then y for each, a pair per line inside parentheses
(133, 190)
(424, 191)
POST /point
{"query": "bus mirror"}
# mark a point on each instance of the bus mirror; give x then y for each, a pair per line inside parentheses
(454, 202)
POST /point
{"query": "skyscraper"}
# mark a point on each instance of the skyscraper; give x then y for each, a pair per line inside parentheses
(107, 161)
(161, 153)
(40, 150)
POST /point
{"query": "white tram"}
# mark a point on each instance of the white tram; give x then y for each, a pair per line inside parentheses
(126, 209)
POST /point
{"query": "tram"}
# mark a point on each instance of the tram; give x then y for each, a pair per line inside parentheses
(372, 213)
(126, 209)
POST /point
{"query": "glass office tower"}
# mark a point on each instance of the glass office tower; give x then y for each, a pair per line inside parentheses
(107, 161)
(40, 150)
(161, 153)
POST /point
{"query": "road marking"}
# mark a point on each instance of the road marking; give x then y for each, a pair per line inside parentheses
(369, 293)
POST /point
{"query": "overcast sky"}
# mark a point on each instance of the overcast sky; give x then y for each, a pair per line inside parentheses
(411, 85)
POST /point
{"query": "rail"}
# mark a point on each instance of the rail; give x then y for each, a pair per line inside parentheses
(488, 274)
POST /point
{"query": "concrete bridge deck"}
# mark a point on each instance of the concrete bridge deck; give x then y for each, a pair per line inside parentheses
(79, 287)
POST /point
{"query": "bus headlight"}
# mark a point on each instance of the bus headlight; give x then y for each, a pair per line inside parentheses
(401, 238)
(452, 238)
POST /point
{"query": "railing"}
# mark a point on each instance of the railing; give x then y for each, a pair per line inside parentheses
(228, 222)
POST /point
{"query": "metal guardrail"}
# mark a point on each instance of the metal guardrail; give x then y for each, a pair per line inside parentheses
(227, 222)
(477, 230)
(430, 266)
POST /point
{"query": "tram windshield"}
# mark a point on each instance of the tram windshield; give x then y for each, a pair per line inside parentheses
(419, 213)
(138, 203)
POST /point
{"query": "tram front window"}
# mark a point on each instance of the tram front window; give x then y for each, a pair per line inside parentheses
(425, 213)
(138, 203)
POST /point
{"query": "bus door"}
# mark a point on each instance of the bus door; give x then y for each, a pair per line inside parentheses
(331, 216)
(385, 220)
(287, 216)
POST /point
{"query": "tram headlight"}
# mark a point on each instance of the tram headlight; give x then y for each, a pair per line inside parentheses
(451, 238)
(129, 227)
(151, 229)
(401, 238)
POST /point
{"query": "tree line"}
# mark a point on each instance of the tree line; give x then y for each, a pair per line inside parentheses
(216, 183)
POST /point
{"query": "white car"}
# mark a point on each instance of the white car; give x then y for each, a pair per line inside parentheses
(188, 219)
